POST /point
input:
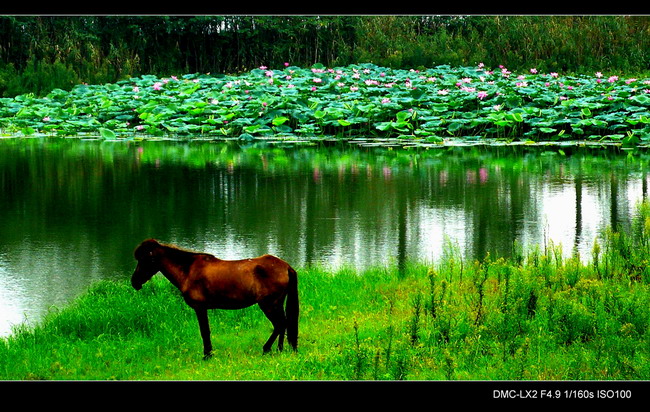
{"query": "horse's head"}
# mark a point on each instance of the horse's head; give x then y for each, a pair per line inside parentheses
(147, 266)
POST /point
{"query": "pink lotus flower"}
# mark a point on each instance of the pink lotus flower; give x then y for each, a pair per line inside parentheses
(286, 64)
(612, 79)
(157, 86)
(482, 95)
(553, 74)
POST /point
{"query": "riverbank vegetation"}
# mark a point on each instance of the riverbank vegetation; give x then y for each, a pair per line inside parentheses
(534, 316)
(41, 53)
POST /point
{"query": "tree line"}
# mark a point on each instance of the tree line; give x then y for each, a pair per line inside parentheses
(40, 53)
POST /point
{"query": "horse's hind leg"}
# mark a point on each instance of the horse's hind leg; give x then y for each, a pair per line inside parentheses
(275, 313)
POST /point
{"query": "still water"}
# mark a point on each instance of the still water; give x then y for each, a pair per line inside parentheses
(72, 211)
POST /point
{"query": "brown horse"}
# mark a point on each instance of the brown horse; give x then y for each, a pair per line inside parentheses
(210, 283)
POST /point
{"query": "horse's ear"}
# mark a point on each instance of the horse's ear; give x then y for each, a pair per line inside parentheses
(145, 248)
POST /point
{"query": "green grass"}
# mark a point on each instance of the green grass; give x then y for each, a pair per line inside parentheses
(533, 317)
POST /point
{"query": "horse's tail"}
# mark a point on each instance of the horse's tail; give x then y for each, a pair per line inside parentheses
(292, 309)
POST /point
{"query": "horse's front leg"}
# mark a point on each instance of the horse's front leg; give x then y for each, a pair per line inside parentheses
(204, 325)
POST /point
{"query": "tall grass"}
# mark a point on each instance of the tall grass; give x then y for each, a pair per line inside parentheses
(40, 53)
(530, 317)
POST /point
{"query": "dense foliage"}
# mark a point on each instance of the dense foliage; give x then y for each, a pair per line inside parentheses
(356, 101)
(40, 53)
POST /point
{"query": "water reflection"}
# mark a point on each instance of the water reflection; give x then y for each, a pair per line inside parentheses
(73, 211)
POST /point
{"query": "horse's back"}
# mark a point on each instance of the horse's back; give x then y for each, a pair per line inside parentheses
(264, 269)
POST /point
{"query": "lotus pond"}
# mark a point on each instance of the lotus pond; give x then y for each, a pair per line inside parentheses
(357, 101)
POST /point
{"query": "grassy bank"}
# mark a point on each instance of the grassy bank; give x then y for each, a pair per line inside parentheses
(536, 316)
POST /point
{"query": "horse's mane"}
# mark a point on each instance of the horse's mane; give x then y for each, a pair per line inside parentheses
(184, 257)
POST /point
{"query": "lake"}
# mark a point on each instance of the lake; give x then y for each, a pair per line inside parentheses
(74, 210)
